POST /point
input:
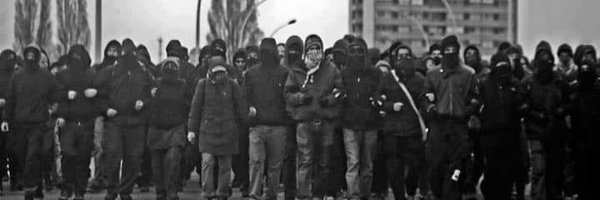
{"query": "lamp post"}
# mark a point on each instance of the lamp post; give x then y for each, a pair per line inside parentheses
(293, 21)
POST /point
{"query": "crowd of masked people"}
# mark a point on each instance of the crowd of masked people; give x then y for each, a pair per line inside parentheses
(342, 122)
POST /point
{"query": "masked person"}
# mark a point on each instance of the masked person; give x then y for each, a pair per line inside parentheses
(281, 52)
(112, 52)
(269, 122)
(123, 91)
(500, 123)
(310, 99)
(241, 160)
(435, 53)
(252, 53)
(217, 110)
(340, 54)
(404, 134)
(293, 59)
(545, 105)
(167, 114)
(359, 119)
(450, 92)
(76, 117)
(8, 64)
(30, 92)
(586, 104)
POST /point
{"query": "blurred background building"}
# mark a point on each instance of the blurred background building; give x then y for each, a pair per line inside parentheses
(420, 23)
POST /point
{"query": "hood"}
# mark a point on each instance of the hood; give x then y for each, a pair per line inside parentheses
(451, 40)
(112, 43)
(498, 71)
(392, 50)
(404, 68)
(503, 47)
(578, 55)
(8, 60)
(341, 49)
(218, 48)
(268, 53)
(543, 46)
(564, 48)
(374, 55)
(394, 53)
(143, 53)
(31, 63)
(83, 61)
(313, 39)
(356, 62)
(128, 46)
(476, 65)
(173, 48)
(240, 53)
(169, 73)
(434, 47)
(349, 38)
(293, 42)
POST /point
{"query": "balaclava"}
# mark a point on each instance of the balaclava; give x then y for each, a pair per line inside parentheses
(252, 53)
(31, 57)
(79, 58)
(111, 59)
(340, 52)
(544, 62)
(169, 70)
(8, 60)
(268, 53)
(450, 60)
(358, 55)
(293, 50)
(500, 68)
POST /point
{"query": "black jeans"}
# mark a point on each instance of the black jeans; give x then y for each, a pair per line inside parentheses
(449, 147)
(30, 147)
(123, 143)
(403, 152)
(501, 152)
(289, 165)
(241, 161)
(77, 142)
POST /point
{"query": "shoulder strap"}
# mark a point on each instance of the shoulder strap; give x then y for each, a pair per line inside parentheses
(424, 129)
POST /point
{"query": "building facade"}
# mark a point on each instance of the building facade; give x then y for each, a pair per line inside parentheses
(421, 23)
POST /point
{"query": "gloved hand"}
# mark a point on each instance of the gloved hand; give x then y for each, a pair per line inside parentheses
(252, 112)
(71, 94)
(191, 136)
(90, 92)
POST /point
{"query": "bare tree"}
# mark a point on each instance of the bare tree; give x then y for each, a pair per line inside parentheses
(44, 32)
(235, 22)
(24, 27)
(73, 25)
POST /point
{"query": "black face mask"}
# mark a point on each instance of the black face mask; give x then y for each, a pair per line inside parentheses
(450, 60)
(357, 58)
(339, 59)
(78, 64)
(544, 71)
(587, 75)
(437, 60)
(269, 58)
(403, 68)
(294, 57)
(502, 73)
(129, 60)
(252, 61)
(31, 65)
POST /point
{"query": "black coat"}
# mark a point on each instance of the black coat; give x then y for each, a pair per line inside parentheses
(171, 105)
(360, 86)
(80, 108)
(264, 90)
(405, 122)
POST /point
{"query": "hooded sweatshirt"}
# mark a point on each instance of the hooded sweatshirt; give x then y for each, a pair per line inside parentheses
(296, 43)
(361, 81)
(309, 93)
(78, 77)
(107, 60)
(171, 104)
(30, 92)
(264, 86)
(477, 64)
(340, 53)
(544, 68)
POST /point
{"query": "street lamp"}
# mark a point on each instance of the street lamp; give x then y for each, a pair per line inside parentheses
(293, 21)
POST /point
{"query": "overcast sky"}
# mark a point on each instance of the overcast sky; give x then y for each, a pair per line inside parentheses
(572, 21)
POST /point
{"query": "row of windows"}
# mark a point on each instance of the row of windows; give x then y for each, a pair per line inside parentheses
(423, 44)
(435, 30)
(436, 16)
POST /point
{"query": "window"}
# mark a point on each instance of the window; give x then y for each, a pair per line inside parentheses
(380, 14)
(496, 17)
(425, 15)
(487, 44)
(439, 16)
(499, 30)
(474, 1)
(404, 2)
(469, 30)
(487, 1)
(394, 15)
(467, 16)
(417, 2)
(403, 29)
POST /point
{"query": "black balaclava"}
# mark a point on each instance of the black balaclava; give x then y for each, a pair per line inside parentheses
(500, 69)
(587, 72)
(218, 48)
(111, 59)
(374, 55)
(293, 44)
(8, 61)
(503, 47)
(436, 60)
(358, 55)
(340, 52)
(79, 58)
(240, 54)
(268, 53)
(204, 55)
(128, 59)
(404, 67)
(473, 61)
(252, 54)
(169, 70)
(450, 60)
(173, 48)
(31, 63)
(349, 38)
(128, 46)
(544, 62)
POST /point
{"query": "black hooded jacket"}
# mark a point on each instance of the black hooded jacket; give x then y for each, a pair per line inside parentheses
(30, 92)
(478, 66)
(107, 61)
(264, 85)
(171, 104)
(7, 68)
(360, 81)
(78, 77)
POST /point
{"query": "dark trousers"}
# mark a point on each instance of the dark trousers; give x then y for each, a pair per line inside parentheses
(14, 163)
(3, 155)
(338, 164)
(380, 173)
(501, 152)
(165, 166)
(474, 165)
(123, 143)
(191, 160)
(240, 162)
(589, 174)
(30, 149)
(547, 162)
(289, 165)
(145, 175)
(76, 141)
(449, 146)
(403, 154)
